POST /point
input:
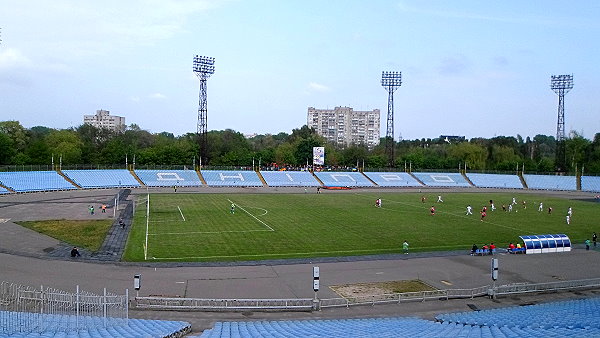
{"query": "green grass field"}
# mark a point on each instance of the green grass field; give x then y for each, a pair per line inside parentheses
(200, 227)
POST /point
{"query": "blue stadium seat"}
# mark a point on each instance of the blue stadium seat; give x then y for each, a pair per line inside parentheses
(289, 179)
(25, 181)
(393, 179)
(495, 181)
(3, 191)
(68, 326)
(590, 183)
(112, 178)
(550, 182)
(229, 178)
(343, 179)
(169, 178)
(442, 179)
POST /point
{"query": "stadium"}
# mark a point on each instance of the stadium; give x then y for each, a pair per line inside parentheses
(212, 291)
(165, 228)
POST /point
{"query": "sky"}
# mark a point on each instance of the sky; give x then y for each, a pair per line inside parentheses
(469, 68)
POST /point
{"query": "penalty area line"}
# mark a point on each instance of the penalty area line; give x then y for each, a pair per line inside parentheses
(244, 210)
(181, 213)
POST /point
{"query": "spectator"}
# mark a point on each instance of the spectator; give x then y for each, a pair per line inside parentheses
(587, 244)
(594, 238)
(75, 252)
(405, 247)
(492, 248)
(474, 249)
(511, 247)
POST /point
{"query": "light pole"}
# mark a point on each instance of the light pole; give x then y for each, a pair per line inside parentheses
(561, 84)
(204, 67)
(390, 81)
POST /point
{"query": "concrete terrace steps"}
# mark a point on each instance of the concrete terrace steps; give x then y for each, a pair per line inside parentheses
(68, 179)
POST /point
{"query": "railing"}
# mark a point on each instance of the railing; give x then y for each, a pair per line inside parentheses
(306, 304)
(162, 303)
(545, 287)
(24, 309)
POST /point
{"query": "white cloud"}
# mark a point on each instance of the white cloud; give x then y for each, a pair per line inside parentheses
(157, 96)
(317, 87)
(13, 58)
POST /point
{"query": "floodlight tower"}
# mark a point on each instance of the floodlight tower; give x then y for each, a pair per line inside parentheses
(561, 84)
(204, 67)
(390, 81)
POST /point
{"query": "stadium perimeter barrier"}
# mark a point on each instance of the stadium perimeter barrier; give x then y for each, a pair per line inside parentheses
(28, 309)
(198, 304)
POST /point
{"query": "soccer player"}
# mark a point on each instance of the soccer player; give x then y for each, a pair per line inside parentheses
(440, 200)
(549, 210)
(423, 198)
(568, 219)
(483, 214)
(469, 210)
(432, 210)
(493, 207)
(405, 247)
(510, 208)
(570, 211)
(541, 207)
(514, 201)
(232, 210)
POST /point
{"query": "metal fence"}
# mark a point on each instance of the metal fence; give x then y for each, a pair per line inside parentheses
(25, 309)
(198, 304)
(545, 287)
(307, 304)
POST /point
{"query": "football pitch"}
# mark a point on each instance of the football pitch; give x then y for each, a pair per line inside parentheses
(203, 227)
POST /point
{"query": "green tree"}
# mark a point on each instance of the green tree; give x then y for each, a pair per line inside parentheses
(66, 143)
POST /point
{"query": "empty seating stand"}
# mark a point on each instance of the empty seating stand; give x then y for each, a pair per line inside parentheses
(16, 324)
(112, 178)
(442, 179)
(551, 182)
(393, 179)
(169, 178)
(289, 179)
(229, 178)
(590, 183)
(343, 179)
(495, 181)
(26, 181)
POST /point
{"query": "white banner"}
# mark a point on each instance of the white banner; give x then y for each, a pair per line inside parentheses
(318, 155)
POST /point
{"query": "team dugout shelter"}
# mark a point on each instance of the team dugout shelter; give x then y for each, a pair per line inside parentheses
(546, 243)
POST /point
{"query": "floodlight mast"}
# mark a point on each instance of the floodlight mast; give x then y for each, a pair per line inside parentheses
(204, 67)
(390, 81)
(561, 84)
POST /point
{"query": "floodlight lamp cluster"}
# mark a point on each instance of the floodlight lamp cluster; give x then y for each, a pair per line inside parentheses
(391, 79)
(204, 65)
(561, 83)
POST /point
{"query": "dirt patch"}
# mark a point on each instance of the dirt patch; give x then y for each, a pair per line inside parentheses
(380, 290)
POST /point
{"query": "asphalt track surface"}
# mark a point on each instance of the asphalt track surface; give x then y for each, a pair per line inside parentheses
(30, 258)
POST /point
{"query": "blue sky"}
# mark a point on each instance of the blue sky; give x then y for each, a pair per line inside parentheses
(471, 68)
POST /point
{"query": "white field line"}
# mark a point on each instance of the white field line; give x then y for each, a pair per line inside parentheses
(461, 214)
(206, 232)
(244, 210)
(377, 251)
(181, 213)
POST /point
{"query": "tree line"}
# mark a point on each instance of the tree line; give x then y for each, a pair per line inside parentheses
(89, 145)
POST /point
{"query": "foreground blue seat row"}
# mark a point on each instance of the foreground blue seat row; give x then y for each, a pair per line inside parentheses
(583, 313)
(289, 179)
(551, 182)
(55, 326)
(25, 181)
(495, 181)
(169, 178)
(590, 183)
(112, 178)
(393, 179)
